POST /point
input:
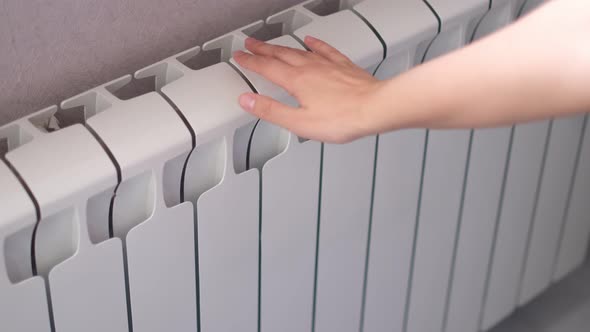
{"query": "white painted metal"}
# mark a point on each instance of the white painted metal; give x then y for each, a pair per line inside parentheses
(485, 175)
(290, 186)
(344, 210)
(289, 206)
(458, 21)
(265, 140)
(526, 160)
(443, 178)
(399, 165)
(406, 26)
(85, 279)
(501, 13)
(574, 241)
(487, 165)
(441, 198)
(160, 248)
(555, 185)
(398, 169)
(23, 303)
(227, 211)
(228, 251)
(531, 5)
(343, 30)
(515, 218)
(346, 181)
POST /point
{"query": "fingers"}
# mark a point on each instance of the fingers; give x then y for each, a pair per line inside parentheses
(289, 55)
(271, 68)
(270, 110)
(324, 49)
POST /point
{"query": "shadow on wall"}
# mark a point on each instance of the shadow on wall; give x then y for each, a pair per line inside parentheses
(51, 51)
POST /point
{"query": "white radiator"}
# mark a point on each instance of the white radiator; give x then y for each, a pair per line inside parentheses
(174, 210)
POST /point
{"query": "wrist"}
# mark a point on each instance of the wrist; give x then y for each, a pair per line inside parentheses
(381, 110)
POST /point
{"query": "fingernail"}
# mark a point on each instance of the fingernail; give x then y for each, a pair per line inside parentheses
(309, 39)
(247, 101)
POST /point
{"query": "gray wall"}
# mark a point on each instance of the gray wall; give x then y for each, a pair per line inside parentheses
(54, 49)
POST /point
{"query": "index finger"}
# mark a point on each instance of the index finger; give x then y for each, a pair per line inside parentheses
(270, 68)
(292, 56)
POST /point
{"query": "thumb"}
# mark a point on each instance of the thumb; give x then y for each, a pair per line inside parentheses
(270, 110)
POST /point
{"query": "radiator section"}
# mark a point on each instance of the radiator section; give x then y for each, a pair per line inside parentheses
(155, 203)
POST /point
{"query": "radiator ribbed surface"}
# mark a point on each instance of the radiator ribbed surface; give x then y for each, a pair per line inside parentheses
(174, 210)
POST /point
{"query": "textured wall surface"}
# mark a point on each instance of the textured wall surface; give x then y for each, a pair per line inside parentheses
(53, 49)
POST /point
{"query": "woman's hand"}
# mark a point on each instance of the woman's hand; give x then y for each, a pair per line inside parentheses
(545, 73)
(333, 93)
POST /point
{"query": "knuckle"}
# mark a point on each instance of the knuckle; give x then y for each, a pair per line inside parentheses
(264, 63)
(280, 51)
(297, 75)
(302, 52)
(251, 62)
(244, 60)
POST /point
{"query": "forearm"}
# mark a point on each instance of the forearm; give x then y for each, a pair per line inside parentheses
(537, 68)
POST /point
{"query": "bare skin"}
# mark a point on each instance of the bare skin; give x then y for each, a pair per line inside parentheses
(537, 68)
